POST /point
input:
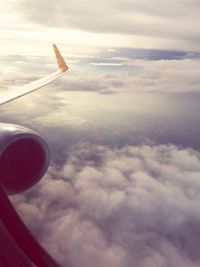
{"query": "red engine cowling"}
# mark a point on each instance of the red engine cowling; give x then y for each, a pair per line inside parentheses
(24, 158)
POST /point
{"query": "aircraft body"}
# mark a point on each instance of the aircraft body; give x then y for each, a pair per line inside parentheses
(24, 159)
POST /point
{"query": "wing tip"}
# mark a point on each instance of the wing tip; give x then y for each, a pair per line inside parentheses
(61, 62)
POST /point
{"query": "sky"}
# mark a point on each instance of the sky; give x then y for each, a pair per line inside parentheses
(122, 125)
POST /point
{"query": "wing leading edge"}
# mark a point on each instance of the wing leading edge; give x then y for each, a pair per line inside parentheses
(6, 97)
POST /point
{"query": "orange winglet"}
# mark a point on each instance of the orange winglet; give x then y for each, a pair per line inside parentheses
(61, 63)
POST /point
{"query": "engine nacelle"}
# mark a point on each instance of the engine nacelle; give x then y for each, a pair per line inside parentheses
(24, 158)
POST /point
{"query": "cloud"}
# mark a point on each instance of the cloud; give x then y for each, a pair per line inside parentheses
(138, 205)
(88, 16)
(173, 23)
(110, 72)
(138, 76)
(81, 26)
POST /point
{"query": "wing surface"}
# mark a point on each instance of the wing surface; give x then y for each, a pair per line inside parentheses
(11, 95)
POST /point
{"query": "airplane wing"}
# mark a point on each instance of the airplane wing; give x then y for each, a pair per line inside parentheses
(6, 97)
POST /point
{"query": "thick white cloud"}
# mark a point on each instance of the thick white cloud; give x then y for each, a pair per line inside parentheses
(134, 206)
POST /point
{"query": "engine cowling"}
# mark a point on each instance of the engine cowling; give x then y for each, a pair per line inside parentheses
(24, 158)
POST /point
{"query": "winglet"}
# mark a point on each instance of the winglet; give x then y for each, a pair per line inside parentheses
(61, 63)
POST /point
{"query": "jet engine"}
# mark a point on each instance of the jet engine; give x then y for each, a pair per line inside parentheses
(24, 158)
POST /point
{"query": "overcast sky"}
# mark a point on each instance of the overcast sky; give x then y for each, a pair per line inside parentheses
(122, 125)
(142, 24)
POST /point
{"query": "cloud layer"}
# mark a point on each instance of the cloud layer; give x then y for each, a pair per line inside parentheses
(99, 206)
(111, 73)
(134, 206)
(132, 17)
(171, 24)
(142, 76)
